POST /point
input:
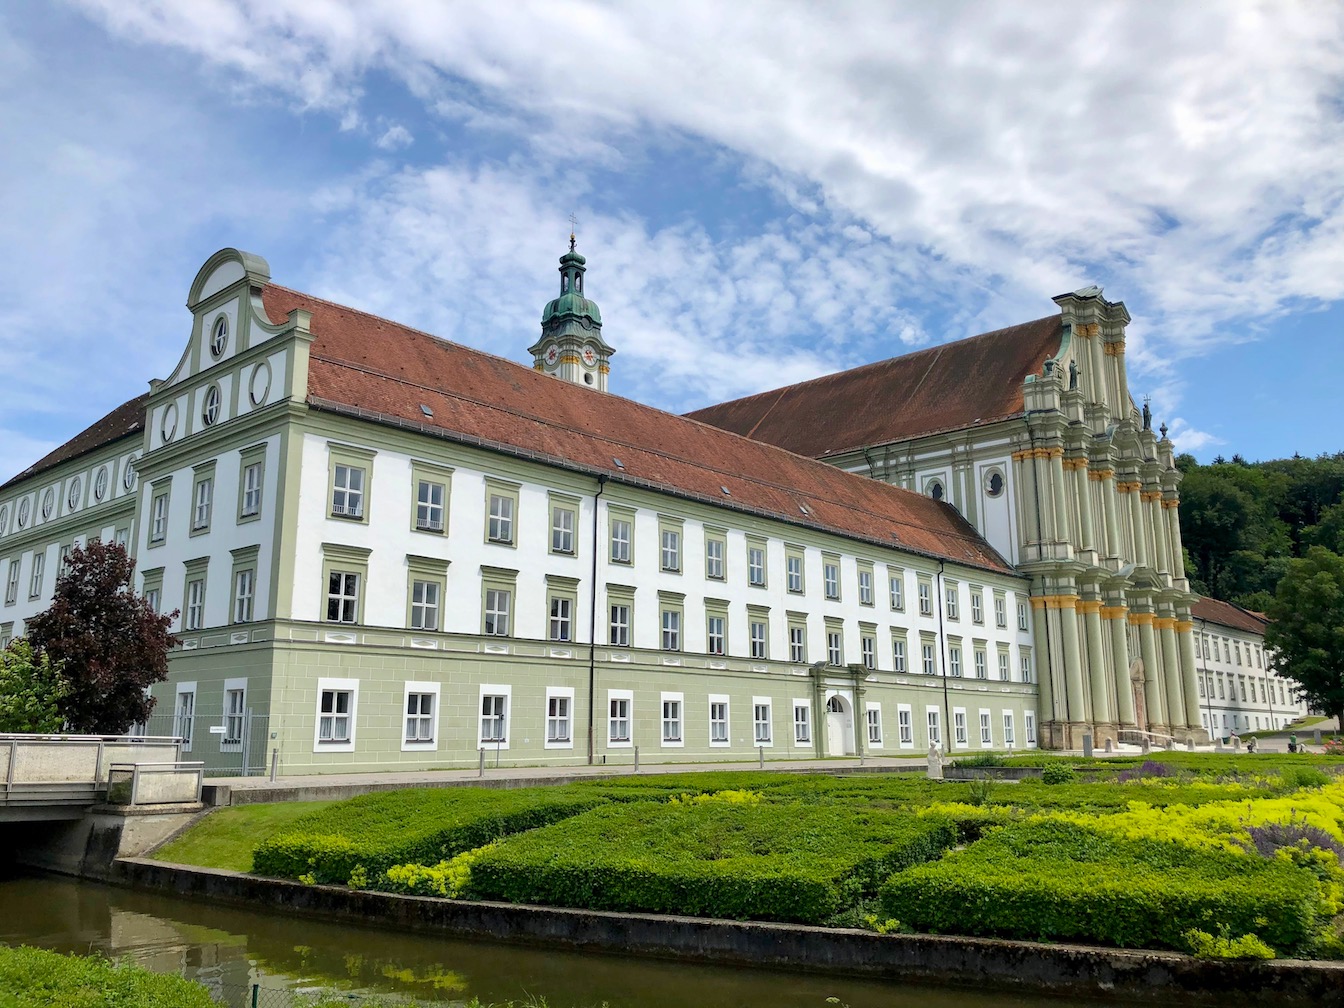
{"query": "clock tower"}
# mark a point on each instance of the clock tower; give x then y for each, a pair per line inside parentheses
(571, 345)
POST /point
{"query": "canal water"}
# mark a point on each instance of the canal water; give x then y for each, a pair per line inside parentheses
(229, 949)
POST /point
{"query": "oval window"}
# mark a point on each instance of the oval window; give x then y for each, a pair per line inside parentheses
(48, 503)
(994, 485)
(72, 498)
(219, 336)
(100, 484)
(260, 384)
(936, 490)
(169, 426)
(128, 478)
(23, 512)
(210, 412)
(4, 517)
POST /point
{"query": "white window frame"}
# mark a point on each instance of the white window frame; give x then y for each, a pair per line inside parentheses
(905, 727)
(500, 518)
(618, 622)
(563, 519)
(184, 721)
(669, 621)
(798, 644)
(830, 579)
(793, 572)
(12, 583)
(193, 614)
(1029, 726)
(616, 714)
(1000, 612)
(678, 720)
(714, 563)
(620, 543)
(203, 504)
(36, 573)
(1009, 735)
(896, 591)
(872, 721)
(504, 717)
(563, 696)
(802, 726)
(430, 514)
(229, 718)
(865, 586)
(343, 598)
(933, 726)
(669, 550)
(758, 638)
(716, 633)
(725, 721)
(835, 646)
(868, 650)
(925, 591)
(244, 594)
(426, 612)
(756, 565)
(502, 616)
(252, 488)
(351, 491)
(560, 619)
(898, 656)
(335, 687)
(961, 738)
(763, 729)
(418, 744)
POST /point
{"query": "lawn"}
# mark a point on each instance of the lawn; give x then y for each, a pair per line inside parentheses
(226, 837)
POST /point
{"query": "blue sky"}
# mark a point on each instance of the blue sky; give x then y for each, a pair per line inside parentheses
(766, 191)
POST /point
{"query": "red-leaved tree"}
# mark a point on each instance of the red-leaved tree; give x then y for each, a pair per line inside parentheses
(110, 644)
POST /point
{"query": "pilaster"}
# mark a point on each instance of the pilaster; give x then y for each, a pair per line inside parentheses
(1154, 696)
(1116, 618)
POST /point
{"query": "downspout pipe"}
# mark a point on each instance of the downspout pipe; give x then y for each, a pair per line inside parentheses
(592, 627)
(942, 656)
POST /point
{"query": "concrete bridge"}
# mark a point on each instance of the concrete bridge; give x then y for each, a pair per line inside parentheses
(55, 778)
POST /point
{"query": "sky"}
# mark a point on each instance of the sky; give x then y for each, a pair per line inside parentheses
(765, 191)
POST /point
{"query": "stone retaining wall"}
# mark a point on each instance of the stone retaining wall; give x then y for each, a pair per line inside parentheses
(1131, 976)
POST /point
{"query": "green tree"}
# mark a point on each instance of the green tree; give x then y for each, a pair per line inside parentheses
(111, 645)
(1329, 530)
(31, 690)
(1306, 632)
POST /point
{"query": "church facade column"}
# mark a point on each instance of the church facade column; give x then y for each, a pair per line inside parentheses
(1047, 666)
(1063, 533)
(1106, 486)
(1172, 515)
(1132, 488)
(1165, 628)
(1116, 618)
(1064, 608)
(1154, 696)
(1098, 668)
(1185, 636)
(1157, 529)
(1082, 487)
(1028, 504)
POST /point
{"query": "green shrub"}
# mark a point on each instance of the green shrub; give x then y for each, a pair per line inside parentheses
(420, 826)
(772, 861)
(35, 978)
(981, 760)
(1303, 777)
(981, 790)
(1052, 880)
(1203, 945)
(1058, 773)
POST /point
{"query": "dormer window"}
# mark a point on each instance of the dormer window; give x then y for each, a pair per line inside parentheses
(219, 335)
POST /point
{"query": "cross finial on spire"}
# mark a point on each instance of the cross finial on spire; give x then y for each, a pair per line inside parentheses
(573, 226)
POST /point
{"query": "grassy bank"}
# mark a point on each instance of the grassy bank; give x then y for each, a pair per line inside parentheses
(1218, 855)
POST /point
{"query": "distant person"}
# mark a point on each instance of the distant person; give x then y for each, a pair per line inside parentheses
(1251, 744)
(1292, 741)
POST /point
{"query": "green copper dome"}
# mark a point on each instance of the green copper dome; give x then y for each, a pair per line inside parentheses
(571, 303)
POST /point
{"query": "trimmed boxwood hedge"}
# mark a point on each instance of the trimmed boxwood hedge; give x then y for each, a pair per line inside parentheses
(744, 861)
(1047, 879)
(421, 826)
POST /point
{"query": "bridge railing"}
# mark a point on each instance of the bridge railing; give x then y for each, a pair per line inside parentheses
(71, 768)
(154, 783)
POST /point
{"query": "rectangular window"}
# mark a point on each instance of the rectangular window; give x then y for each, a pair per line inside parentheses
(1000, 611)
(152, 598)
(335, 708)
(562, 529)
(758, 644)
(761, 721)
(1022, 616)
(618, 720)
(251, 503)
(802, 723)
(718, 721)
(561, 624)
(620, 540)
(865, 587)
(935, 731)
(981, 667)
(234, 701)
(959, 727)
(1206, 648)
(63, 565)
(429, 505)
(347, 491)
(1221, 693)
(714, 547)
(620, 624)
(797, 643)
(499, 524)
(558, 719)
(494, 717)
(200, 513)
(716, 641)
(874, 718)
(194, 616)
(834, 647)
(954, 661)
(793, 570)
(671, 630)
(986, 734)
(925, 598)
(977, 606)
(424, 605)
(756, 566)
(12, 583)
(670, 550)
(830, 576)
(868, 651)
(158, 521)
(1008, 729)
(1026, 665)
(419, 717)
(342, 597)
(930, 667)
(498, 603)
(671, 720)
(1029, 726)
(898, 654)
(896, 587)
(906, 729)
(243, 592)
(950, 594)
(184, 716)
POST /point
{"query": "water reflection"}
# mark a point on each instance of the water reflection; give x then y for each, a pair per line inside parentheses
(229, 948)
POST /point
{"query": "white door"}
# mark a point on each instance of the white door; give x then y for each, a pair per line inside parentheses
(835, 727)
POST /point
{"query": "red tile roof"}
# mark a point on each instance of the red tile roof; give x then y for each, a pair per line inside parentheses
(126, 419)
(1229, 615)
(385, 372)
(968, 383)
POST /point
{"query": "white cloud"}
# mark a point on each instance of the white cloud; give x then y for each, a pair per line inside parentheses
(394, 137)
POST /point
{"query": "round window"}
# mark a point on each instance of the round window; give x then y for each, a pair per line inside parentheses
(210, 412)
(936, 490)
(100, 484)
(48, 503)
(4, 518)
(169, 426)
(260, 384)
(23, 512)
(72, 498)
(994, 485)
(219, 336)
(128, 477)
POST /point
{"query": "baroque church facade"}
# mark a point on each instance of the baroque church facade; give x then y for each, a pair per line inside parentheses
(389, 551)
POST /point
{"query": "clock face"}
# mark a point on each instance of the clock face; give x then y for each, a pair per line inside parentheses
(552, 355)
(589, 356)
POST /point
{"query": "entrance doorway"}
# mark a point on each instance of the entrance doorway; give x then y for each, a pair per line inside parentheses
(837, 724)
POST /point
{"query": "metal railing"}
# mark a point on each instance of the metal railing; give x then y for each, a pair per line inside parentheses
(70, 769)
